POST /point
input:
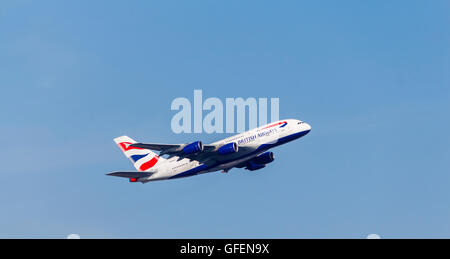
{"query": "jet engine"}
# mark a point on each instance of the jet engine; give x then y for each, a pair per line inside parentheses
(264, 158)
(228, 149)
(260, 161)
(252, 166)
(193, 147)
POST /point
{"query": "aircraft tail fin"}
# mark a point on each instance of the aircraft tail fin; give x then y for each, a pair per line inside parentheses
(142, 159)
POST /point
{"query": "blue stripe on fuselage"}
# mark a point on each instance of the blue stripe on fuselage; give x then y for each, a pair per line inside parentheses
(261, 148)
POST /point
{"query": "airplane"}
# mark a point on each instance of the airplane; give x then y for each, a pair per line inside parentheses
(247, 150)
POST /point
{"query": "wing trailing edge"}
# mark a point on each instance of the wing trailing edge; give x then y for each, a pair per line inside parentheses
(130, 174)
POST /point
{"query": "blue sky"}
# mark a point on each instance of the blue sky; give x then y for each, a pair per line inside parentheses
(370, 77)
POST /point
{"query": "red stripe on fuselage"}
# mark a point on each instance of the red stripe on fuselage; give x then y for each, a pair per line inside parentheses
(149, 164)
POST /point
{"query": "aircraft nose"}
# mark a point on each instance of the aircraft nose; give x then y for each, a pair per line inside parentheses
(307, 126)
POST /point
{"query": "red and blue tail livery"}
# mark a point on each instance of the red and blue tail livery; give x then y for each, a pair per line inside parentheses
(142, 159)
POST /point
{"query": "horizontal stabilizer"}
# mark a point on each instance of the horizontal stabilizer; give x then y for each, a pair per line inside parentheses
(130, 174)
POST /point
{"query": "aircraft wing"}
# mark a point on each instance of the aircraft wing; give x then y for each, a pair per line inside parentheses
(154, 146)
(170, 149)
(207, 155)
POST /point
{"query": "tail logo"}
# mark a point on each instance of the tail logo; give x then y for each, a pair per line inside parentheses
(143, 159)
(137, 157)
(149, 164)
(125, 146)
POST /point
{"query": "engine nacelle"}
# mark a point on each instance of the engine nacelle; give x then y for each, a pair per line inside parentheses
(252, 166)
(228, 149)
(260, 161)
(192, 148)
(264, 158)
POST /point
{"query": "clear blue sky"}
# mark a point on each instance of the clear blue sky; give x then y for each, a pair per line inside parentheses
(371, 77)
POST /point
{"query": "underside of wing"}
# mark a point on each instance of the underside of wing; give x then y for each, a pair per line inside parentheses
(157, 147)
(130, 174)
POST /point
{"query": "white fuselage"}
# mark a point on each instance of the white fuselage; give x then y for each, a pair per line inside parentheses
(250, 144)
